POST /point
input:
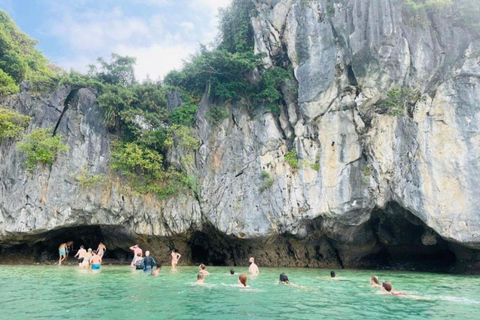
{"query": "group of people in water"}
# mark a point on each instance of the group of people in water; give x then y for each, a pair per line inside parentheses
(93, 259)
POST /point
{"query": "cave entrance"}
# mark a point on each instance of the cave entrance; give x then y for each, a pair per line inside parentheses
(44, 247)
(406, 242)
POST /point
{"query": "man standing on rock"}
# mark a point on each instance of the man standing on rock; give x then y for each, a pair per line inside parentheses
(62, 252)
(253, 269)
(136, 250)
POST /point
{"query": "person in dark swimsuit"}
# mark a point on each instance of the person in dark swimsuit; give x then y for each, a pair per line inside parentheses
(148, 262)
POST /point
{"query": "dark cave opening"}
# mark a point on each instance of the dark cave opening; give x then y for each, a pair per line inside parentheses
(44, 247)
(403, 241)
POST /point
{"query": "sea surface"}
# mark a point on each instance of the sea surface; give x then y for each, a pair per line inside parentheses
(118, 292)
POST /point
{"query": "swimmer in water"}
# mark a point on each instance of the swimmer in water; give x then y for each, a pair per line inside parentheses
(374, 281)
(200, 278)
(156, 271)
(202, 270)
(101, 250)
(253, 268)
(148, 262)
(175, 257)
(387, 288)
(242, 280)
(333, 276)
(283, 279)
(232, 272)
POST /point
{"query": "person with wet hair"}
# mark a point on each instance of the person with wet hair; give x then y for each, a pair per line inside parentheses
(242, 280)
(202, 270)
(283, 279)
(200, 278)
(387, 288)
(374, 281)
(232, 272)
(333, 276)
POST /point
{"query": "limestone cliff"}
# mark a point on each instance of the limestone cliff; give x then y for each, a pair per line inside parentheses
(373, 186)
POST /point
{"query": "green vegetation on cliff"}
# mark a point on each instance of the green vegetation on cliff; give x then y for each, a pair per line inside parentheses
(232, 71)
(41, 147)
(20, 60)
(12, 123)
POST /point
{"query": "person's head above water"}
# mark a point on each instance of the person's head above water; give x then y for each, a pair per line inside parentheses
(232, 271)
(139, 254)
(200, 276)
(283, 278)
(243, 279)
(387, 286)
(332, 274)
(202, 266)
(374, 280)
(147, 253)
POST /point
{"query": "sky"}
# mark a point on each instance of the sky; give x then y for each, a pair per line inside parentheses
(159, 33)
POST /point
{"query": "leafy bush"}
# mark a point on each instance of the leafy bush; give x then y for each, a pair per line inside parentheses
(41, 147)
(315, 166)
(144, 170)
(7, 84)
(87, 180)
(19, 59)
(184, 115)
(225, 73)
(292, 159)
(397, 100)
(216, 114)
(267, 181)
(12, 123)
(120, 70)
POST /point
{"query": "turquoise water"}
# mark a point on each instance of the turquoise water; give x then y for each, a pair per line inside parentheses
(117, 292)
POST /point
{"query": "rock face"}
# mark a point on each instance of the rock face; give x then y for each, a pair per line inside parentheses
(372, 188)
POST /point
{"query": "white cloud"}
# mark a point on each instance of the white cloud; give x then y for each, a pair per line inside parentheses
(157, 60)
(188, 25)
(160, 39)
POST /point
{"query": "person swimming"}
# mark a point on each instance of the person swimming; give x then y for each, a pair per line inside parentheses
(202, 268)
(200, 278)
(333, 276)
(242, 280)
(253, 268)
(283, 279)
(156, 271)
(374, 281)
(387, 288)
(232, 271)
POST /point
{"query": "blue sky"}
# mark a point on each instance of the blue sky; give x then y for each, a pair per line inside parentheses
(159, 33)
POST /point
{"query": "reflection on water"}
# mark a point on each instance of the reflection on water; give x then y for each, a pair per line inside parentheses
(47, 292)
